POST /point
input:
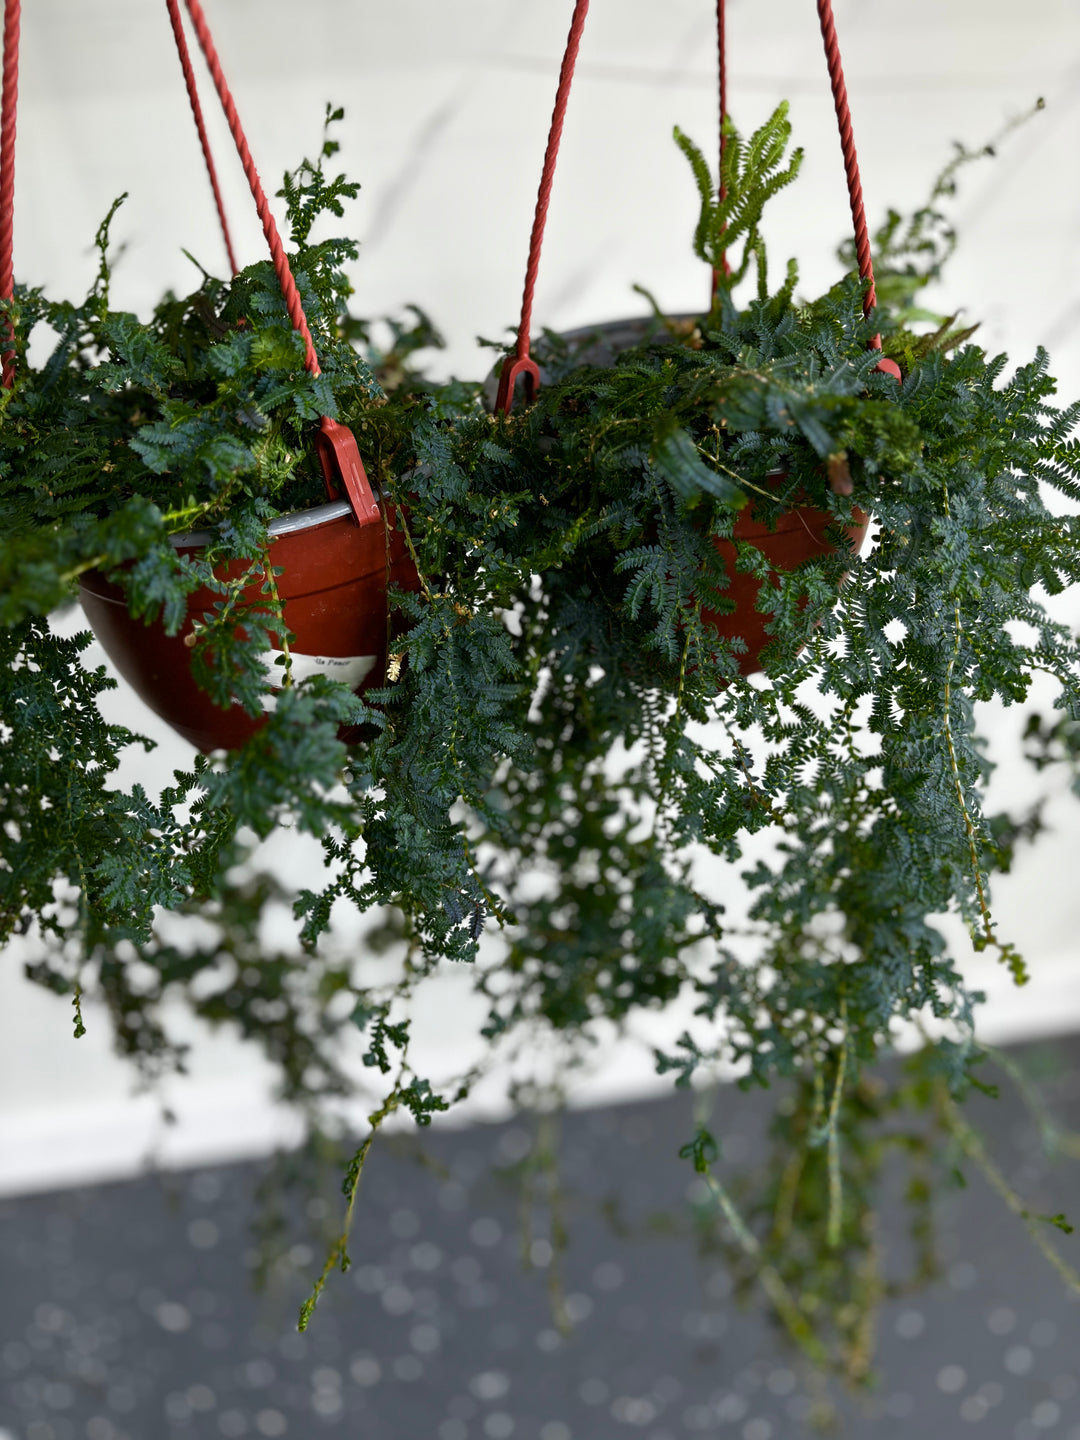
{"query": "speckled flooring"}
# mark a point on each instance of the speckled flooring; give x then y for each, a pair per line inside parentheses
(127, 1311)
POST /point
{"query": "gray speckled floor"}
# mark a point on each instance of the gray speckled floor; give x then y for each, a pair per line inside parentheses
(127, 1311)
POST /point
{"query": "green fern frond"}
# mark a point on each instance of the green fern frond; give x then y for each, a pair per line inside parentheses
(731, 210)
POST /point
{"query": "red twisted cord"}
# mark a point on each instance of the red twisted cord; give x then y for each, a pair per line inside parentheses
(721, 58)
(196, 110)
(522, 364)
(851, 162)
(335, 444)
(547, 178)
(721, 69)
(851, 168)
(270, 230)
(12, 12)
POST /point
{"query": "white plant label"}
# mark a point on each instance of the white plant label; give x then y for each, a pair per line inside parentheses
(351, 670)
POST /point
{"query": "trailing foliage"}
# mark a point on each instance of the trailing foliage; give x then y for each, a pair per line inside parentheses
(565, 771)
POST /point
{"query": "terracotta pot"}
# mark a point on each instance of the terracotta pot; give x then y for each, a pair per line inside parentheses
(798, 535)
(333, 588)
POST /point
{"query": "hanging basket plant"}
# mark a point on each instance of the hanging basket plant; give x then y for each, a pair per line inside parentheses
(609, 679)
(232, 419)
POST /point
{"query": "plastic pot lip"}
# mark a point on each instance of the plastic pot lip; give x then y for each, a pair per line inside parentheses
(291, 524)
(631, 323)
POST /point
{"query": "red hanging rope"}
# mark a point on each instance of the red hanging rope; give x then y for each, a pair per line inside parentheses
(851, 169)
(851, 161)
(721, 58)
(12, 12)
(262, 205)
(338, 453)
(521, 364)
(335, 444)
(196, 110)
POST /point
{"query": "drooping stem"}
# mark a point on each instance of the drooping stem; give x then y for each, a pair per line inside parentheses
(339, 1251)
(976, 868)
(836, 1191)
(972, 1144)
(772, 1282)
(279, 611)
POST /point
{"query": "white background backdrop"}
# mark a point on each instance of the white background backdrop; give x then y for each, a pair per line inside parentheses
(447, 108)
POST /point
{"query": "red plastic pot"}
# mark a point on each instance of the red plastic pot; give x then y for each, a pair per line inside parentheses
(798, 535)
(333, 587)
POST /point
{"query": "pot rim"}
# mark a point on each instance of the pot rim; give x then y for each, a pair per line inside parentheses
(584, 332)
(291, 524)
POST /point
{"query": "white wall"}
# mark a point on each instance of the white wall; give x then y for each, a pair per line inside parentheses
(447, 107)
